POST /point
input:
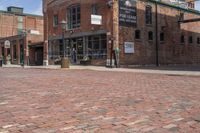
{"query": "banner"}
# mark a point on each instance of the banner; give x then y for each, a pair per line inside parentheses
(127, 13)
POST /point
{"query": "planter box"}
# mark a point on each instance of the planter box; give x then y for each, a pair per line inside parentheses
(88, 62)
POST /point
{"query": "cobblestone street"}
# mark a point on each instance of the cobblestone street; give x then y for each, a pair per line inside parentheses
(86, 101)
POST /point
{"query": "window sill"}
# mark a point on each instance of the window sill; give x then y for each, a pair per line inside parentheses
(73, 29)
(162, 42)
(149, 25)
(138, 40)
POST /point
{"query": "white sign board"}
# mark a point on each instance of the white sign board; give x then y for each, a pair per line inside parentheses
(129, 47)
(7, 44)
(34, 32)
(96, 19)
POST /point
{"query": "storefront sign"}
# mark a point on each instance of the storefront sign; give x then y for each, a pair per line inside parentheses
(127, 13)
(96, 19)
(34, 32)
(129, 47)
(7, 44)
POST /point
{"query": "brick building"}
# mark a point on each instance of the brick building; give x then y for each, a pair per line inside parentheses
(25, 34)
(148, 32)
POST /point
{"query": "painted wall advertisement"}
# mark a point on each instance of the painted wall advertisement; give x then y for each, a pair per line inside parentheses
(127, 13)
(129, 47)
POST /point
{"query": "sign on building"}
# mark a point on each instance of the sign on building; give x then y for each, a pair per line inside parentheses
(96, 19)
(34, 32)
(129, 47)
(7, 44)
(127, 13)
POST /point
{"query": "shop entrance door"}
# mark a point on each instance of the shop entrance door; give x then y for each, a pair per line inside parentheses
(77, 45)
(21, 54)
(39, 56)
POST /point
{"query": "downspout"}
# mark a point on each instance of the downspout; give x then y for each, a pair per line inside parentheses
(156, 23)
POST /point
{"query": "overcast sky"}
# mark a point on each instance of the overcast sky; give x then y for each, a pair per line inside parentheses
(35, 6)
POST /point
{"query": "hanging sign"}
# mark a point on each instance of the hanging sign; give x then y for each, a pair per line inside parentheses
(127, 13)
(7, 44)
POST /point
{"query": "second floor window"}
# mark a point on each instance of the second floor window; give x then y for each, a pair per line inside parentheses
(198, 40)
(94, 9)
(55, 20)
(148, 15)
(162, 37)
(190, 40)
(150, 36)
(182, 39)
(137, 34)
(74, 16)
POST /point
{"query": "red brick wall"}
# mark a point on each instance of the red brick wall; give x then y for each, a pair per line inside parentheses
(170, 51)
(85, 15)
(9, 24)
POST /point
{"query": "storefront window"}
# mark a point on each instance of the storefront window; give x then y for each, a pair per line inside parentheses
(14, 51)
(97, 47)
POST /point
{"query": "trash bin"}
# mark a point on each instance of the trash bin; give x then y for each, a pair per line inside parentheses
(1, 62)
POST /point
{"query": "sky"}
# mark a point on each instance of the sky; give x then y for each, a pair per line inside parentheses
(35, 6)
(30, 6)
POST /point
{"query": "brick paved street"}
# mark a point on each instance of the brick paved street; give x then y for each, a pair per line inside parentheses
(86, 101)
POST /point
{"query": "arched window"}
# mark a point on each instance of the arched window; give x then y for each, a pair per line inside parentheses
(137, 34)
(162, 37)
(198, 40)
(182, 39)
(148, 14)
(190, 39)
(150, 36)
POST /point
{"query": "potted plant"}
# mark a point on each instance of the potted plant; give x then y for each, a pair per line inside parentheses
(8, 59)
(85, 61)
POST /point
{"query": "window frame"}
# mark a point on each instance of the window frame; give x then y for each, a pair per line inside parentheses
(150, 36)
(74, 16)
(137, 34)
(94, 9)
(162, 37)
(148, 15)
(190, 40)
(182, 39)
(55, 20)
(198, 41)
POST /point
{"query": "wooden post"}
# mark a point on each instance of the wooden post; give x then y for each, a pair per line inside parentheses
(116, 29)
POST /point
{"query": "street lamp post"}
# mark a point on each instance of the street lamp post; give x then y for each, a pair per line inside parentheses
(64, 60)
(23, 56)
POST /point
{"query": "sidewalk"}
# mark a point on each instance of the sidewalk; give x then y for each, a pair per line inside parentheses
(167, 70)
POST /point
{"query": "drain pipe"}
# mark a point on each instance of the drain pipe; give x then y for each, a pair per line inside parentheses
(156, 23)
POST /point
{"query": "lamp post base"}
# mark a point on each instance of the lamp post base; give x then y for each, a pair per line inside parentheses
(64, 62)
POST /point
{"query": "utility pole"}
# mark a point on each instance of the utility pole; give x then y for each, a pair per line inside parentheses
(116, 30)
